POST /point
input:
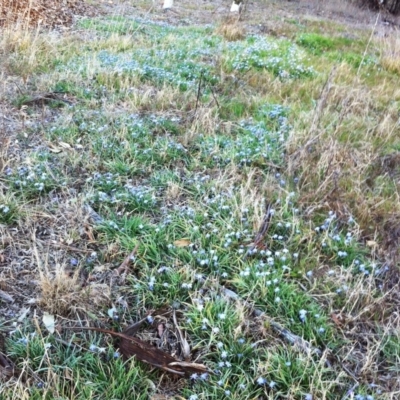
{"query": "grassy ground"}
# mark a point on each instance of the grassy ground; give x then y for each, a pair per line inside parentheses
(257, 180)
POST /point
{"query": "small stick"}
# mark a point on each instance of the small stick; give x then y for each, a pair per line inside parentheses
(198, 93)
(184, 343)
(125, 264)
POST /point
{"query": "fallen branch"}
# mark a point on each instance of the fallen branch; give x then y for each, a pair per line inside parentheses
(42, 98)
(134, 347)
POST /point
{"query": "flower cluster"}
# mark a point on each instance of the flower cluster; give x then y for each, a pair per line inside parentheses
(278, 57)
(33, 180)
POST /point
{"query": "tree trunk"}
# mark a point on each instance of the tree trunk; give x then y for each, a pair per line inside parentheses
(393, 6)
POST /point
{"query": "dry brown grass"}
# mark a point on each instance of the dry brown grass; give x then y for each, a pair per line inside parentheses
(390, 52)
(4, 145)
(66, 291)
(40, 12)
(231, 29)
(24, 51)
(337, 155)
(60, 289)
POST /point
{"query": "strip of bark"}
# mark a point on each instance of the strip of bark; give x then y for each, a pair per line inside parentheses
(130, 346)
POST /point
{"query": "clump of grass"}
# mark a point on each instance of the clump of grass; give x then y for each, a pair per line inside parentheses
(59, 290)
(390, 53)
(62, 291)
(8, 211)
(24, 51)
(280, 57)
(231, 30)
(35, 180)
(318, 44)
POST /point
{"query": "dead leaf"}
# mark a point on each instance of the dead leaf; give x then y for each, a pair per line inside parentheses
(262, 231)
(5, 296)
(160, 329)
(23, 314)
(132, 329)
(112, 312)
(371, 243)
(182, 242)
(337, 320)
(68, 374)
(64, 145)
(185, 347)
(199, 368)
(54, 149)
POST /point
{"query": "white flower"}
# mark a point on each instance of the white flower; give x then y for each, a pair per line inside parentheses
(93, 348)
(186, 285)
(261, 381)
(302, 315)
